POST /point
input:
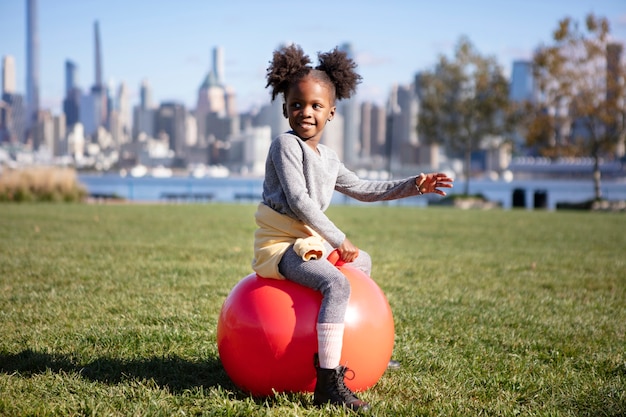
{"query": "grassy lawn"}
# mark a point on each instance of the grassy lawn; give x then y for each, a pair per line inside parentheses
(111, 310)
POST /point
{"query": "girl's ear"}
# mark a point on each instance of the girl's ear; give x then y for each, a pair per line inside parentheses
(331, 114)
(285, 111)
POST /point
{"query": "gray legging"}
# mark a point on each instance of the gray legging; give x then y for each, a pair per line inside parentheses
(324, 277)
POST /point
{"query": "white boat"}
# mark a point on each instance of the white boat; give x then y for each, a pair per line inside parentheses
(138, 171)
(161, 172)
(197, 171)
(217, 171)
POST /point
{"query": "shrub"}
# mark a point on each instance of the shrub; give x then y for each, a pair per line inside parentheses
(48, 184)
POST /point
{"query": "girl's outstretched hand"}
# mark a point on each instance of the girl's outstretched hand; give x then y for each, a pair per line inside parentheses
(430, 183)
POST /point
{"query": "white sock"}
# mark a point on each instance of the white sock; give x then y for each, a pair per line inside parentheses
(329, 343)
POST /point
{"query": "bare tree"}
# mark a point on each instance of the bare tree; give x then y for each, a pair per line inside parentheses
(579, 109)
(462, 101)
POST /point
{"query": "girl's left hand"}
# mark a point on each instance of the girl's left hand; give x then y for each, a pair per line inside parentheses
(430, 183)
(347, 251)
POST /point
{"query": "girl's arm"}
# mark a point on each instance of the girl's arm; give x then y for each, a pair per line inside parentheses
(350, 184)
(366, 190)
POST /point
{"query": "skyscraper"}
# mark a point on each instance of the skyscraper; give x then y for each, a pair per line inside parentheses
(214, 100)
(145, 95)
(98, 57)
(170, 122)
(402, 118)
(71, 76)
(71, 103)
(32, 63)
(218, 64)
(522, 81)
(379, 127)
(8, 74)
(522, 89)
(365, 129)
(350, 110)
(122, 107)
(11, 105)
(144, 114)
(94, 107)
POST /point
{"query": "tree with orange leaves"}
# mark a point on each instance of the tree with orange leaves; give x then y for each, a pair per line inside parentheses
(579, 109)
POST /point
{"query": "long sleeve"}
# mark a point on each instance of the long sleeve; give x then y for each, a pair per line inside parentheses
(350, 184)
(300, 184)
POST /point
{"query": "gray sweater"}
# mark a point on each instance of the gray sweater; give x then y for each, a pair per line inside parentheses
(300, 183)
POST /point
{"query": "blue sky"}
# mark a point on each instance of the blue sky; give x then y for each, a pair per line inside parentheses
(169, 43)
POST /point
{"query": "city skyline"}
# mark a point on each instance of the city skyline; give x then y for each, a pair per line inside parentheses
(383, 40)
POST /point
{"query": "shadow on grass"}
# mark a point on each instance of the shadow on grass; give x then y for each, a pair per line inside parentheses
(174, 373)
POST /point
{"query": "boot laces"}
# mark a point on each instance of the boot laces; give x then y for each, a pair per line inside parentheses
(342, 388)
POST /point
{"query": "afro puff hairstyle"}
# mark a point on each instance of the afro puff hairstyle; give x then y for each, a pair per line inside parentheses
(289, 65)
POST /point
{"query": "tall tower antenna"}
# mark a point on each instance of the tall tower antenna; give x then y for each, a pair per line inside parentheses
(98, 57)
(32, 62)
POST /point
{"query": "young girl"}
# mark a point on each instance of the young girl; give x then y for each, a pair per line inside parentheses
(294, 235)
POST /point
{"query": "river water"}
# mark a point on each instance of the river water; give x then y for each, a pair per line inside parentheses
(541, 193)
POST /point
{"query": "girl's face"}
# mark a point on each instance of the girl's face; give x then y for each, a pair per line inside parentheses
(308, 107)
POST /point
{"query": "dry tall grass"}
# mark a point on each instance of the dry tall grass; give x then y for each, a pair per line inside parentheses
(40, 184)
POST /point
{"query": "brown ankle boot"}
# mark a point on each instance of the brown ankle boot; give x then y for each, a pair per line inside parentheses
(331, 388)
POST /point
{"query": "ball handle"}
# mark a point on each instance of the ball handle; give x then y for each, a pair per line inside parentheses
(334, 258)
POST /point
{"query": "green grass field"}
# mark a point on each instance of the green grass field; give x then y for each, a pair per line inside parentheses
(111, 310)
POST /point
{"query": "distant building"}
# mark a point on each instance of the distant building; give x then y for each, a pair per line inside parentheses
(365, 130)
(215, 102)
(334, 135)
(8, 74)
(372, 132)
(92, 111)
(32, 65)
(71, 76)
(145, 95)
(44, 133)
(522, 82)
(522, 89)
(76, 142)
(120, 128)
(95, 105)
(59, 135)
(272, 115)
(144, 115)
(402, 126)
(12, 106)
(378, 131)
(170, 122)
(12, 118)
(349, 108)
(71, 102)
(250, 149)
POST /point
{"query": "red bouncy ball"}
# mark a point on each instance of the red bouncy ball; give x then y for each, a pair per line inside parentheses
(266, 335)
